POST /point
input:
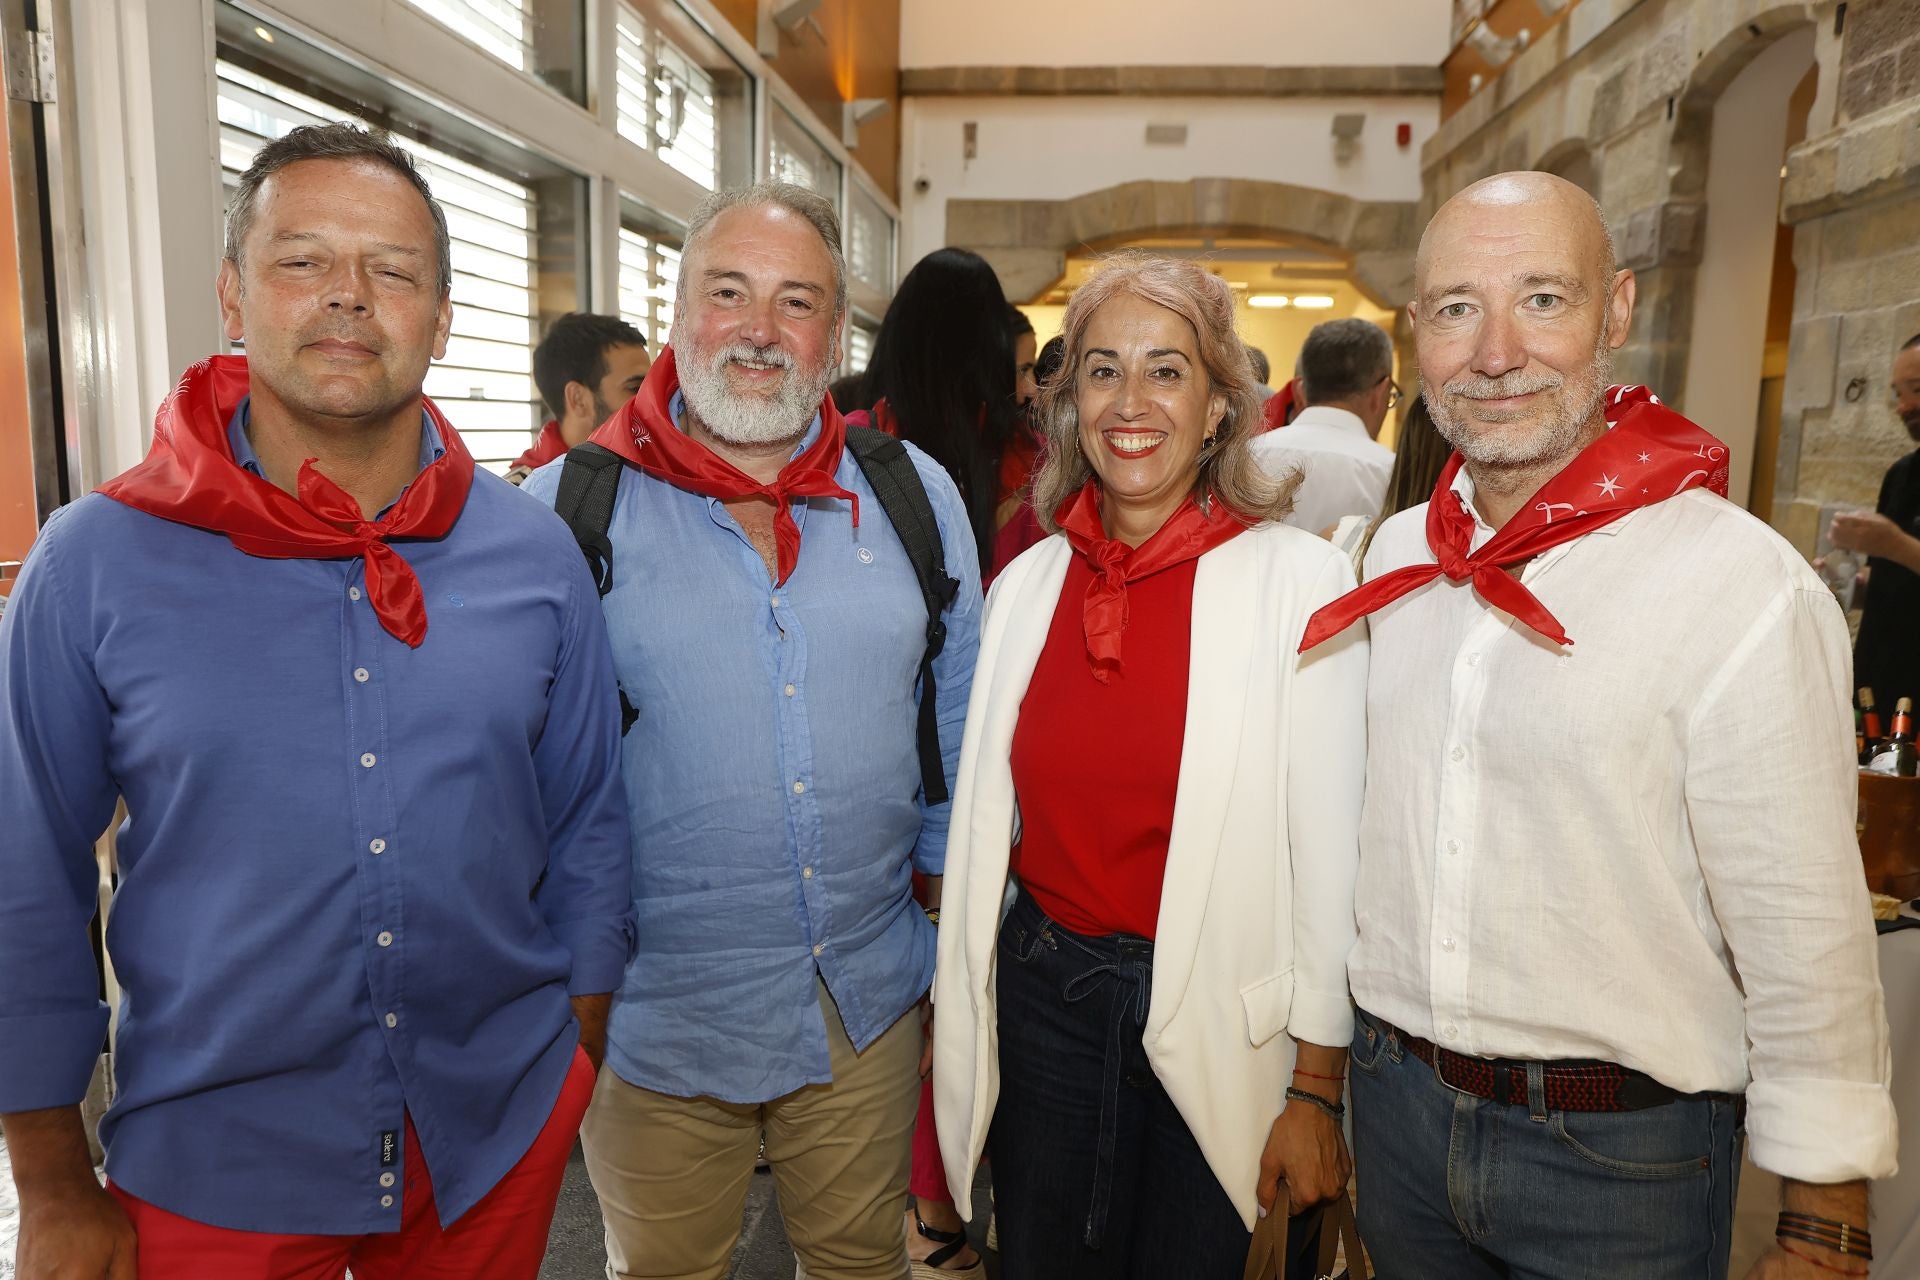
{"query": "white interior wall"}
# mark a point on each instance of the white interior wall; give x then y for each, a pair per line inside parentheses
(1724, 359)
(1058, 148)
(1071, 33)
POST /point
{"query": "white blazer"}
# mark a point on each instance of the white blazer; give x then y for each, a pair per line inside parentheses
(1256, 913)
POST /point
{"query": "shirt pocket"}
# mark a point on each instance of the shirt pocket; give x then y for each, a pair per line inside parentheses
(1267, 1003)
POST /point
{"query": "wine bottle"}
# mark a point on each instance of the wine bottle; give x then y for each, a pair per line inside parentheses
(1897, 754)
(1871, 731)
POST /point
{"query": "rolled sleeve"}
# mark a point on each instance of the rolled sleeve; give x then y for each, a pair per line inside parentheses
(587, 893)
(953, 669)
(57, 794)
(1771, 793)
(1326, 768)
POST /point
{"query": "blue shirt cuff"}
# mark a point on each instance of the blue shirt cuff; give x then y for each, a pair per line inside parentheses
(46, 1059)
(601, 946)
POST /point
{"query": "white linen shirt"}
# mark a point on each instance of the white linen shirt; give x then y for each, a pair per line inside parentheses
(1593, 851)
(1344, 471)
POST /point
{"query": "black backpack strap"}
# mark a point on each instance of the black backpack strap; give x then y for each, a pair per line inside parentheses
(896, 482)
(589, 480)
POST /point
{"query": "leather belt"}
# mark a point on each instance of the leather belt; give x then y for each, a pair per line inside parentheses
(1570, 1086)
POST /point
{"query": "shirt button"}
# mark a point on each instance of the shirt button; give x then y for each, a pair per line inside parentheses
(1473, 659)
(386, 1202)
(353, 593)
(385, 939)
(360, 674)
(1449, 1031)
(1458, 753)
(1453, 846)
(818, 948)
(789, 691)
(799, 788)
(377, 845)
(806, 873)
(386, 1179)
(776, 602)
(392, 1021)
(366, 760)
(1446, 944)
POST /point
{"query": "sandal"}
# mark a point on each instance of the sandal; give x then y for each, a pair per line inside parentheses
(952, 1245)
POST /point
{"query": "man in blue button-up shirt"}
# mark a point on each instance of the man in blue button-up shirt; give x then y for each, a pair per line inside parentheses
(776, 791)
(362, 875)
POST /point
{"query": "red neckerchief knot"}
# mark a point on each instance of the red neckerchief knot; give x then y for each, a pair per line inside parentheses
(189, 477)
(643, 432)
(1648, 454)
(1187, 534)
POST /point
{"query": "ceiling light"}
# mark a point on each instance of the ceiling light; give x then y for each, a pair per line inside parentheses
(1313, 301)
(264, 34)
(1267, 301)
(856, 113)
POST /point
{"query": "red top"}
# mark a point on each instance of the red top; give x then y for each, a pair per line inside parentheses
(1096, 765)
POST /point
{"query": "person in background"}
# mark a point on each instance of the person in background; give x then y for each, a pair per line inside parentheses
(848, 392)
(587, 366)
(1886, 657)
(769, 629)
(1348, 388)
(943, 378)
(1025, 385)
(1610, 909)
(1261, 372)
(1053, 353)
(356, 693)
(1419, 453)
(1161, 1017)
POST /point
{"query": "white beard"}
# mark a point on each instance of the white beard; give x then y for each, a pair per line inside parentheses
(749, 419)
(1580, 398)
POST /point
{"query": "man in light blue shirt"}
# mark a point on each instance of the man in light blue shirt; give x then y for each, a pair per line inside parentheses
(778, 810)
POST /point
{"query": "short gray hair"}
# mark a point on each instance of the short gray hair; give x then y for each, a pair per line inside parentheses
(341, 140)
(1342, 359)
(817, 210)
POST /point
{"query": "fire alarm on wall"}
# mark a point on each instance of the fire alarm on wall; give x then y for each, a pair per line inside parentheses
(1403, 134)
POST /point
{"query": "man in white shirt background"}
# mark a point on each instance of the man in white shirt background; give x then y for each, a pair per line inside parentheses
(1346, 372)
(1610, 905)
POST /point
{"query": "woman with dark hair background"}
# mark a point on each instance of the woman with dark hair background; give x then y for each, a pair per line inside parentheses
(942, 377)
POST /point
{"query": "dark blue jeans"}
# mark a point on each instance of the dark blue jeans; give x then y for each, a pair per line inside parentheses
(1094, 1172)
(1453, 1187)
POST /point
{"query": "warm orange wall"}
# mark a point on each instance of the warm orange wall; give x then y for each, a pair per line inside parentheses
(860, 58)
(18, 519)
(1506, 18)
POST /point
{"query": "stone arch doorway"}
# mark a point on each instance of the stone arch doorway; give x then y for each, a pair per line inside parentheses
(1028, 241)
(1745, 104)
(1573, 160)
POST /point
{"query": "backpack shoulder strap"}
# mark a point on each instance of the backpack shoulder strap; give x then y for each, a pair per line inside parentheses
(896, 483)
(589, 481)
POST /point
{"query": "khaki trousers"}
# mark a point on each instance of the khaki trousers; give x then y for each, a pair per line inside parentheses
(672, 1173)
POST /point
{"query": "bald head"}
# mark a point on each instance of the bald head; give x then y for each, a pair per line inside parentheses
(1518, 307)
(1495, 204)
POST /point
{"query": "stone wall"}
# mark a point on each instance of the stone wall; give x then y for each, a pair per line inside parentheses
(1628, 87)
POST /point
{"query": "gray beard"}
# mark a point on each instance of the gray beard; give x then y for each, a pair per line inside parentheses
(749, 420)
(1553, 438)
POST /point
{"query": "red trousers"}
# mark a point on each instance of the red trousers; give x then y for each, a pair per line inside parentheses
(504, 1237)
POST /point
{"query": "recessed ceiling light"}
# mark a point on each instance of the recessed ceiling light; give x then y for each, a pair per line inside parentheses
(264, 34)
(1313, 302)
(1272, 300)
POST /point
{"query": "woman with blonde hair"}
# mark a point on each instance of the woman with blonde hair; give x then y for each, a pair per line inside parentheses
(1149, 1042)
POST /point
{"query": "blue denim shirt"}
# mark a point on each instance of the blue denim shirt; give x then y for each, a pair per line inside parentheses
(773, 778)
(359, 880)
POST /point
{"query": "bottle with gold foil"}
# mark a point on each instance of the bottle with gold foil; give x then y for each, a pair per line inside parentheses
(1897, 754)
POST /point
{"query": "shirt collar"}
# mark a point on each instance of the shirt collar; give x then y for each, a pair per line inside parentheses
(431, 445)
(1483, 532)
(1326, 415)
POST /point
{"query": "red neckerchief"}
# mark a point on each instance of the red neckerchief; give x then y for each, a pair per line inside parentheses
(1188, 533)
(643, 433)
(1279, 406)
(547, 446)
(189, 477)
(1649, 454)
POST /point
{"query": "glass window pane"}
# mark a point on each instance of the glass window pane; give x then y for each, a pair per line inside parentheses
(679, 95)
(484, 383)
(798, 159)
(859, 348)
(649, 273)
(870, 242)
(504, 28)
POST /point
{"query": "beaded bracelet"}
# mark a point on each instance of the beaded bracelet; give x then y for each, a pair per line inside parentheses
(1337, 1110)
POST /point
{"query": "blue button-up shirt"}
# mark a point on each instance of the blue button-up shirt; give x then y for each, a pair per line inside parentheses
(359, 881)
(773, 777)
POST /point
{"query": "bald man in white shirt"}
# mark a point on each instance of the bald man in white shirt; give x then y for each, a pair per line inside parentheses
(1611, 907)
